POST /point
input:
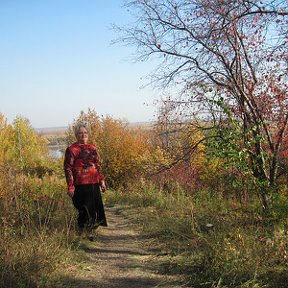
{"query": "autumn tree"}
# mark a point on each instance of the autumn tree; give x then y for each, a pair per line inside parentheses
(228, 61)
(22, 152)
(172, 160)
(20, 145)
(27, 150)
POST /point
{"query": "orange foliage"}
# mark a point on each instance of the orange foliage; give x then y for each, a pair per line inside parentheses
(121, 148)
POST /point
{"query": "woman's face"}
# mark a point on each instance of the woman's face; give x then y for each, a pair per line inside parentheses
(82, 135)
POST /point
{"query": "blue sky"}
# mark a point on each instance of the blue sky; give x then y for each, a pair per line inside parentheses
(56, 59)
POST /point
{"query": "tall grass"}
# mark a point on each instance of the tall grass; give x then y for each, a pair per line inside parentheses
(36, 228)
(213, 240)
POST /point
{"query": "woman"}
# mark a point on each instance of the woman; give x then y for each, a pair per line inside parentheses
(84, 180)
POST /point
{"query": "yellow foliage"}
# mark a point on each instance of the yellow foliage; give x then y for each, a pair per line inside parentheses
(27, 148)
(20, 148)
(179, 143)
(156, 158)
(121, 148)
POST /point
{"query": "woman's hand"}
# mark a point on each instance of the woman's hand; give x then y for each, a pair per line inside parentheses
(103, 186)
(70, 192)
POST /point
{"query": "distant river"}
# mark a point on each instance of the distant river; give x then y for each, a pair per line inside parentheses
(56, 151)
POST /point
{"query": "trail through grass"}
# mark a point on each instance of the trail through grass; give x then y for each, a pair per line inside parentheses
(120, 257)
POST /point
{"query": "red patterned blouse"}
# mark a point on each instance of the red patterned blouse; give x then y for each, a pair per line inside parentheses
(82, 165)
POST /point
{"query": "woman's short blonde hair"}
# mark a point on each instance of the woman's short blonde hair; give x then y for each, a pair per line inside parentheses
(79, 125)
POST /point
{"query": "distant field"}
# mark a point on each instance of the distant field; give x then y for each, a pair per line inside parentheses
(51, 130)
(62, 130)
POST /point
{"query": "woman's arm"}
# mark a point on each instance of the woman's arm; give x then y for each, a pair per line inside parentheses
(68, 165)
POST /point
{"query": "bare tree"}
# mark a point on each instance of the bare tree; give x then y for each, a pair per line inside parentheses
(227, 57)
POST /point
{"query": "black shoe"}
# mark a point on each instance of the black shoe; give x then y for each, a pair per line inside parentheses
(97, 224)
(92, 238)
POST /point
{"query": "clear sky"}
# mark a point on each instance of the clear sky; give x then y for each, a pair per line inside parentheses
(56, 59)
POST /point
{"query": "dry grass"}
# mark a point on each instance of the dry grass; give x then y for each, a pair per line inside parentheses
(37, 230)
(214, 241)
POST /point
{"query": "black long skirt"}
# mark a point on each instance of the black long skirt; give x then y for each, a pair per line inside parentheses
(87, 200)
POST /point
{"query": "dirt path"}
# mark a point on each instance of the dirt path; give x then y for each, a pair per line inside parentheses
(120, 257)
